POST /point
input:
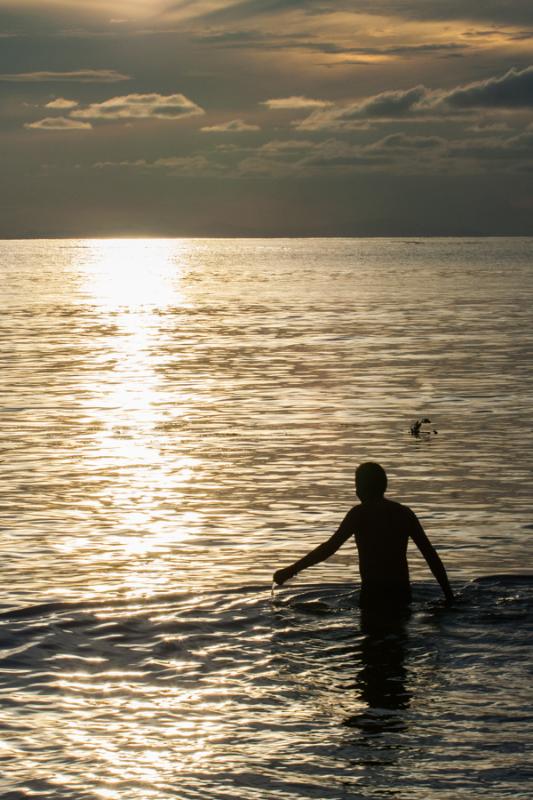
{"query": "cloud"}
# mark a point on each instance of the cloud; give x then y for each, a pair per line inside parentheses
(267, 40)
(397, 153)
(512, 149)
(260, 40)
(59, 124)
(174, 165)
(141, 106)
(224, 11)
(294, 103)
(234, 126)
(521, 36)
(511, 91)
(490, 11)
(390, 104)
(255, 166)
(277, 160)
(397, 150)
(489, 127)
(75, 76)
(278, 146)
(386, 105)
(62, 103)
(181, 162)
(400, 142)
(499, 11)
(237, 38)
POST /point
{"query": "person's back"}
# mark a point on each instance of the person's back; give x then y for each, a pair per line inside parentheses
(382, 529)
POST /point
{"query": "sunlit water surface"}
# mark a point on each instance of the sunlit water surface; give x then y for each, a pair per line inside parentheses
(181, 417)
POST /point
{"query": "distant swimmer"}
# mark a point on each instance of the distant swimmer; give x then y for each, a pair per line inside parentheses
(382, 529)
(416, 428)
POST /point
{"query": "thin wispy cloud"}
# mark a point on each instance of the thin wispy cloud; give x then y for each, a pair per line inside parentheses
(62, 103)
(268, 41)
(171, 165)
(233, 126)
(489, 127)
(495, 11)
(294, 103)
(398, 153)
(73, 76)
(58, 124)
(277, 146)
(140, 106)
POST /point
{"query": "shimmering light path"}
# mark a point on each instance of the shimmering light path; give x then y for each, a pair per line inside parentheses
(181, 417)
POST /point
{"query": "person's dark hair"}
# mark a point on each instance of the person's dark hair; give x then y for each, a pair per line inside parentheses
(370, 480)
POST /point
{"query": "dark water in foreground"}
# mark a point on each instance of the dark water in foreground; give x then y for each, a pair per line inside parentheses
(228, 694)
(180, 417)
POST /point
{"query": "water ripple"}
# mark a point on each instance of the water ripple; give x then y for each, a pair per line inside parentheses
(179, 418)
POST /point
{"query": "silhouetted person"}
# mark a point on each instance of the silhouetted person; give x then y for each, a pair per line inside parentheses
(382, 529)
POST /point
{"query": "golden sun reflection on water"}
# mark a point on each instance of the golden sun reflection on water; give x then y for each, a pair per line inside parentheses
(134, 273)
(178, 423)
(133, 283)
(169, 717)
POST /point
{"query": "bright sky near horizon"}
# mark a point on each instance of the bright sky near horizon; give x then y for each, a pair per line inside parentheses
(266, 117)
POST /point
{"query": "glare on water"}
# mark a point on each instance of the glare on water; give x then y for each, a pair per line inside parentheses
(134, 283)
(180, 418)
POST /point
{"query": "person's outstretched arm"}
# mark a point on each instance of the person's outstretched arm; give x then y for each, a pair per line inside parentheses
(419, 537)
(320, 553)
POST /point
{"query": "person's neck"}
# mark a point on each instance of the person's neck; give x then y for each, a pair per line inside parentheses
(374, 499)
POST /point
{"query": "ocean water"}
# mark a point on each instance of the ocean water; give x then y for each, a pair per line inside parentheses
(178, 418)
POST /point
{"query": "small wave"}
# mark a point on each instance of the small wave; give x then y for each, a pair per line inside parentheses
(507, 580)
(195, 676)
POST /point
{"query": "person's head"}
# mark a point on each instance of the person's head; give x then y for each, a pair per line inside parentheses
(370, 481)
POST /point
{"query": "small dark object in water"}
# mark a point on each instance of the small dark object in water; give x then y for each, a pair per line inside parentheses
(416, 428)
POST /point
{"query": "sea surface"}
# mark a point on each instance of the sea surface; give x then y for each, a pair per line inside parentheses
(180, 417)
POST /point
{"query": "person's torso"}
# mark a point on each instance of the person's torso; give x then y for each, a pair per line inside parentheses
(381, 536)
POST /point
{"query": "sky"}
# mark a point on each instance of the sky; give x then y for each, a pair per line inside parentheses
(266, 117)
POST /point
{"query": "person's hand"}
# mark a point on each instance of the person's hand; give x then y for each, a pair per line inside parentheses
(450, 598)
(282, 575)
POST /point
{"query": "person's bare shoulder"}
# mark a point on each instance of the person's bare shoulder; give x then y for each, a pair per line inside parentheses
(401, 510)
(354, 514)
(409, 520)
